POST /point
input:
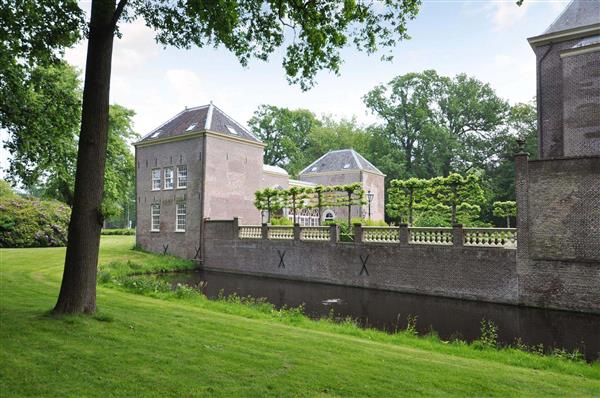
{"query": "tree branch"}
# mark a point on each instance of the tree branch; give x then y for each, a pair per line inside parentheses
(117, 14)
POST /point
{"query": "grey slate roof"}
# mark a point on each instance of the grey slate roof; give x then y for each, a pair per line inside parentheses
(201, 118)
(340, 160)
(577, 14)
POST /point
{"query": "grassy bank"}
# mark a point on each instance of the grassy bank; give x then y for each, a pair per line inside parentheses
(159, 345)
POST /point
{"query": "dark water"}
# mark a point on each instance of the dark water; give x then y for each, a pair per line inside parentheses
(384, 310)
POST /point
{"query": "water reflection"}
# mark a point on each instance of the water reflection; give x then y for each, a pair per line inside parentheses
(388, 311)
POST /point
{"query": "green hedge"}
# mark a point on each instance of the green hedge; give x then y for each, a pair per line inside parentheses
(31, 222)
(118, 231)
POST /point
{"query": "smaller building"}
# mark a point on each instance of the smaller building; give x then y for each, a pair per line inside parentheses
(346, 166)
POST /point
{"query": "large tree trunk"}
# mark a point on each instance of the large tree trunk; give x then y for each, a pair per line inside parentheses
(78, 289)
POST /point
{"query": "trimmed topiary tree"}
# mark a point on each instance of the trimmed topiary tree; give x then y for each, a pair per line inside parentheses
(506, 209)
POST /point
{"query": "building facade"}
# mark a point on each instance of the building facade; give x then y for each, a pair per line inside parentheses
(558, 195)
(201, 164)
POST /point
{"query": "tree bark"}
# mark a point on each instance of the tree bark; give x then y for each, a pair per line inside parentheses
(78, 288)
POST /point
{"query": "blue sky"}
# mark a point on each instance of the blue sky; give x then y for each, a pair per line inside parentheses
(485, 39)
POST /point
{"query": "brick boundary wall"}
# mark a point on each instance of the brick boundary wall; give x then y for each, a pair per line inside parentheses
(558, 251)
(484, 274)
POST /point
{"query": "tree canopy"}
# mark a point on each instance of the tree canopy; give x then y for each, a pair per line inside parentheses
(43, 134)
(437, 124)
(35, 32)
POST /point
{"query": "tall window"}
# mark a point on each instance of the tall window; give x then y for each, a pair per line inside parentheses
(182, 176)
(155, 179)
(155, 210)
(169, 178)
(181, 215)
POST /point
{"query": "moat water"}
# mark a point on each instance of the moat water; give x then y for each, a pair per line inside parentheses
(389, 311)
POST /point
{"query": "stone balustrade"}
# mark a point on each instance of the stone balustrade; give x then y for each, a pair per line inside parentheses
(381, 234)
(315, 233)
(280, 232)
(430, 236)
(249, 232)
(491, 237)
(402, 235)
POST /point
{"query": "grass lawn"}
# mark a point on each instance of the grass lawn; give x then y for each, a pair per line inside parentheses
(140, 345)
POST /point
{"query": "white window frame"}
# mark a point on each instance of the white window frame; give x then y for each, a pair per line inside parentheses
(178, 207)
(154, 206)
(156, 187)
(178, 176)
(168, 186)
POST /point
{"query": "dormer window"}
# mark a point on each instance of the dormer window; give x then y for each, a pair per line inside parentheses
(232, 130)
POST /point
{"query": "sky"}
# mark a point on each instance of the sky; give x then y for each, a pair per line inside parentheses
(485, 39)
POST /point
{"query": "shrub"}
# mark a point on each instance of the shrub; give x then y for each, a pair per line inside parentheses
(369, 223)
(31, 222)
(281, 221)
(118, 231)
(144, 284)
(6, 190)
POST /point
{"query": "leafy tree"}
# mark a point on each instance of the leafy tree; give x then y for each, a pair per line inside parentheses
(506, 209)
(248, 28)
(456, 190)
(521, 123)
(119, 178)
(405, 105)
(42, 123)
(355, 196)
(285, 133)
(469, 113)
(402, 196)
(330, 134)
(436, 125)
(269, 200)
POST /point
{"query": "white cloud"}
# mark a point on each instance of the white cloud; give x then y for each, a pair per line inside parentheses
(132, 51)
(503, 13)
(186, 86)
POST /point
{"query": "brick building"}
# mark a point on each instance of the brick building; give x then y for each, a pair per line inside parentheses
(203, 164)
(558, 195)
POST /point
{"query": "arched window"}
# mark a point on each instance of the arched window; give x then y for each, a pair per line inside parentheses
(328, 215)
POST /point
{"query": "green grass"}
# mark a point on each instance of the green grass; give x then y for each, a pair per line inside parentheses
(140, 345)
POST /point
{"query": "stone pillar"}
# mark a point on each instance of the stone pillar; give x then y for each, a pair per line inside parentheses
(334, 232)
(236, 228)
(296, 231)
(264, 231)
(358, 233)
(403, 234)
(458, 238)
